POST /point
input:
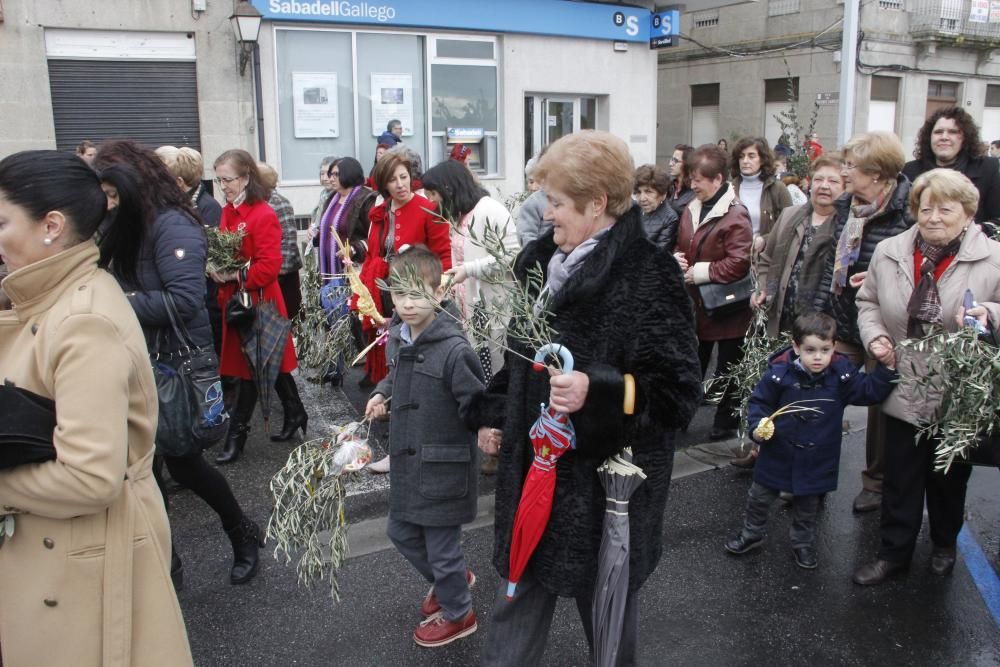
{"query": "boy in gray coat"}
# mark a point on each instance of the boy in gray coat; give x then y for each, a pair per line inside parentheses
(436, 382)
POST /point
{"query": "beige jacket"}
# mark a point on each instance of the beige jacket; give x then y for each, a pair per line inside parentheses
(887, 288)
(86, 578)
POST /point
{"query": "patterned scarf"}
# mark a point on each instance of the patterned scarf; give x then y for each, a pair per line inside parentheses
(195, 192)
(331, 222)
(563, 265)
(924, 306)
(849, 244)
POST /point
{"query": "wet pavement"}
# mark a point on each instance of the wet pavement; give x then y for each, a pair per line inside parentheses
(701, 606)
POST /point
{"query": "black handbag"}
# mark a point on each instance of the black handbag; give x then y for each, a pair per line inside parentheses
(240, 310)
(721, 299)
(189, 392)
(27, 422)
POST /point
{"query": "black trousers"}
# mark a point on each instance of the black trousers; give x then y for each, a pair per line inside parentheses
(291, 292)
(195, 473)
(730, 352)
(909, 477)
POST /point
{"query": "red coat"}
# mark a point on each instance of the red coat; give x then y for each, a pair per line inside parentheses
(723, 258)
(415, 223)
(262, 247)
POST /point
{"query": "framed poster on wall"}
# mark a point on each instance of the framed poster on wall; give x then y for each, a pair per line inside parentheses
(314, 96)
(392, 98)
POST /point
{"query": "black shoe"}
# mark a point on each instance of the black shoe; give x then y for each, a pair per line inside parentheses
(867, 501)
(247, 539)
(740, 545)
(295, 413)
(942, 561)
(332, 376)
(805, 557)
(876, 572)
(719, 433)
(239, 420)
(176, 571)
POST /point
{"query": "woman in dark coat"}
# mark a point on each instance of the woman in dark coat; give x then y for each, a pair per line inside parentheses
(247, 210)
(171, 264)
(658, 217)
(618, 304)
(875, 210)
(713, 246)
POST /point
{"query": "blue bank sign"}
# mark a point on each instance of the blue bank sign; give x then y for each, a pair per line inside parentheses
(664, 28)
(541, 17)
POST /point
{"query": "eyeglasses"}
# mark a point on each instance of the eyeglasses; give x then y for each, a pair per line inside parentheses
(850, 166)
(334, 174)
(226, 180)
(674, 160)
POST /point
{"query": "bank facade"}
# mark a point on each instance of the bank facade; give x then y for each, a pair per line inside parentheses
(504, 77)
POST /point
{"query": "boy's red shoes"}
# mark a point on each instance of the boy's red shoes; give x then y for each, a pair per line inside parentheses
(436, 631)
(430, 605)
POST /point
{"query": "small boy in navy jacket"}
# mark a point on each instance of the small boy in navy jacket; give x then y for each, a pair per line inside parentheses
(803, 455)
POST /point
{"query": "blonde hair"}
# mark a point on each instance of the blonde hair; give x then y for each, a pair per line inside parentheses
(876, 153)
(586, 164)
(945, 185)
(268, 176)
(184, 163)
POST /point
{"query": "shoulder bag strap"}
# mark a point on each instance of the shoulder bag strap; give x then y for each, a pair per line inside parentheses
(176, 323)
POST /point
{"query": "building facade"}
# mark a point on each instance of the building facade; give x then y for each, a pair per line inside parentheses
(738, 67)
(505, 78)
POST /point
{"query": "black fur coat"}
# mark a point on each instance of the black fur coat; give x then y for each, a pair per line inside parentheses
(624, 311)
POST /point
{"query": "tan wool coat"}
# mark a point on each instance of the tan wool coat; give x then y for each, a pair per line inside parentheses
(887, 288)
(85, 580)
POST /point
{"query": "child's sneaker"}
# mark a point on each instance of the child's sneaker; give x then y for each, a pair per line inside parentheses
(430, 605)
(805, 557)
(436, 631)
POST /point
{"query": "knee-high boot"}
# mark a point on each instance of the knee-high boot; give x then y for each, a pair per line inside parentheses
(295, 412)
(239, 420)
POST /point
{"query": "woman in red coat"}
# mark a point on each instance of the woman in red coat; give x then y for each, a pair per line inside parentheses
(247, 210)
(404, 218)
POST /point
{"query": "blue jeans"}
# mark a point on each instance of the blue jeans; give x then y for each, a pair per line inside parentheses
(804, 509)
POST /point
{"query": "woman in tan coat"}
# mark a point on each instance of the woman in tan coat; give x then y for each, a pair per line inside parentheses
(85, 579)
(915, 281)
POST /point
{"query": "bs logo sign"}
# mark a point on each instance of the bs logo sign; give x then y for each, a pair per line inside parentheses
(631, 23)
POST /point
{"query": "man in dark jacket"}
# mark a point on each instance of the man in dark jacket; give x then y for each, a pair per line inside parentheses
(950, 138)
(393, 134)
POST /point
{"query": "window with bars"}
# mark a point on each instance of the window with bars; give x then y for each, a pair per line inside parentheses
(896, 5)
(706, 19)
(782, 7)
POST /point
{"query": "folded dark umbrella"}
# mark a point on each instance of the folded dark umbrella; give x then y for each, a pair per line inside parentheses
(27, 422)
(264, 348)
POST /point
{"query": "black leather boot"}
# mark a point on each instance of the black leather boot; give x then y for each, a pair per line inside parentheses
(239, 420)
(295, 412)
(247, 539)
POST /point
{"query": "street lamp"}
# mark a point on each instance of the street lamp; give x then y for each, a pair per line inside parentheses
(246, 24)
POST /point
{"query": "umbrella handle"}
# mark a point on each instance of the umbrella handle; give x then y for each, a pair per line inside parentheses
(561, 351)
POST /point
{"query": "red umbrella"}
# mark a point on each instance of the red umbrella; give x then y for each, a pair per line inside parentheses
(552, 435)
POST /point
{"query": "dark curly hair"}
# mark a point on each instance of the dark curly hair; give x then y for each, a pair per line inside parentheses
(763, 150)
(972, 146)
(653, 177)
(157, 184)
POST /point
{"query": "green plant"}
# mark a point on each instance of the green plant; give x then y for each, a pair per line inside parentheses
(793, 132)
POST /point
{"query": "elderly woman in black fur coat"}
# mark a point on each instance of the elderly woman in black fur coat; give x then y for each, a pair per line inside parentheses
(618, 303)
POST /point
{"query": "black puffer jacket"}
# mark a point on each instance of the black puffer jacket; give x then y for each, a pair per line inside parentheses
(984, 172)
(894, 220)
(625, 310)
(661, 226)
(172, 259)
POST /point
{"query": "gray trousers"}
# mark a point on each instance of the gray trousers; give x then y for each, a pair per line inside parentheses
(804, 508)
(436, 552)
(519, 628)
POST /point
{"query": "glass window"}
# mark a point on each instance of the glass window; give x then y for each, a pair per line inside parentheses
(302, 52)
(397, 63)
(777, 90)
(588, 113)
(463, 48)
(464, 96)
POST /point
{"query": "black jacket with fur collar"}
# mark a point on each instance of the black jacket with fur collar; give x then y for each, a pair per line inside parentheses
(625, 310)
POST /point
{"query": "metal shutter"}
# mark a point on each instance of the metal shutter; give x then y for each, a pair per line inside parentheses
(155, 103)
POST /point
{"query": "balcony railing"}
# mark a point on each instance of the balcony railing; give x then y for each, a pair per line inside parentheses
(952, 21)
